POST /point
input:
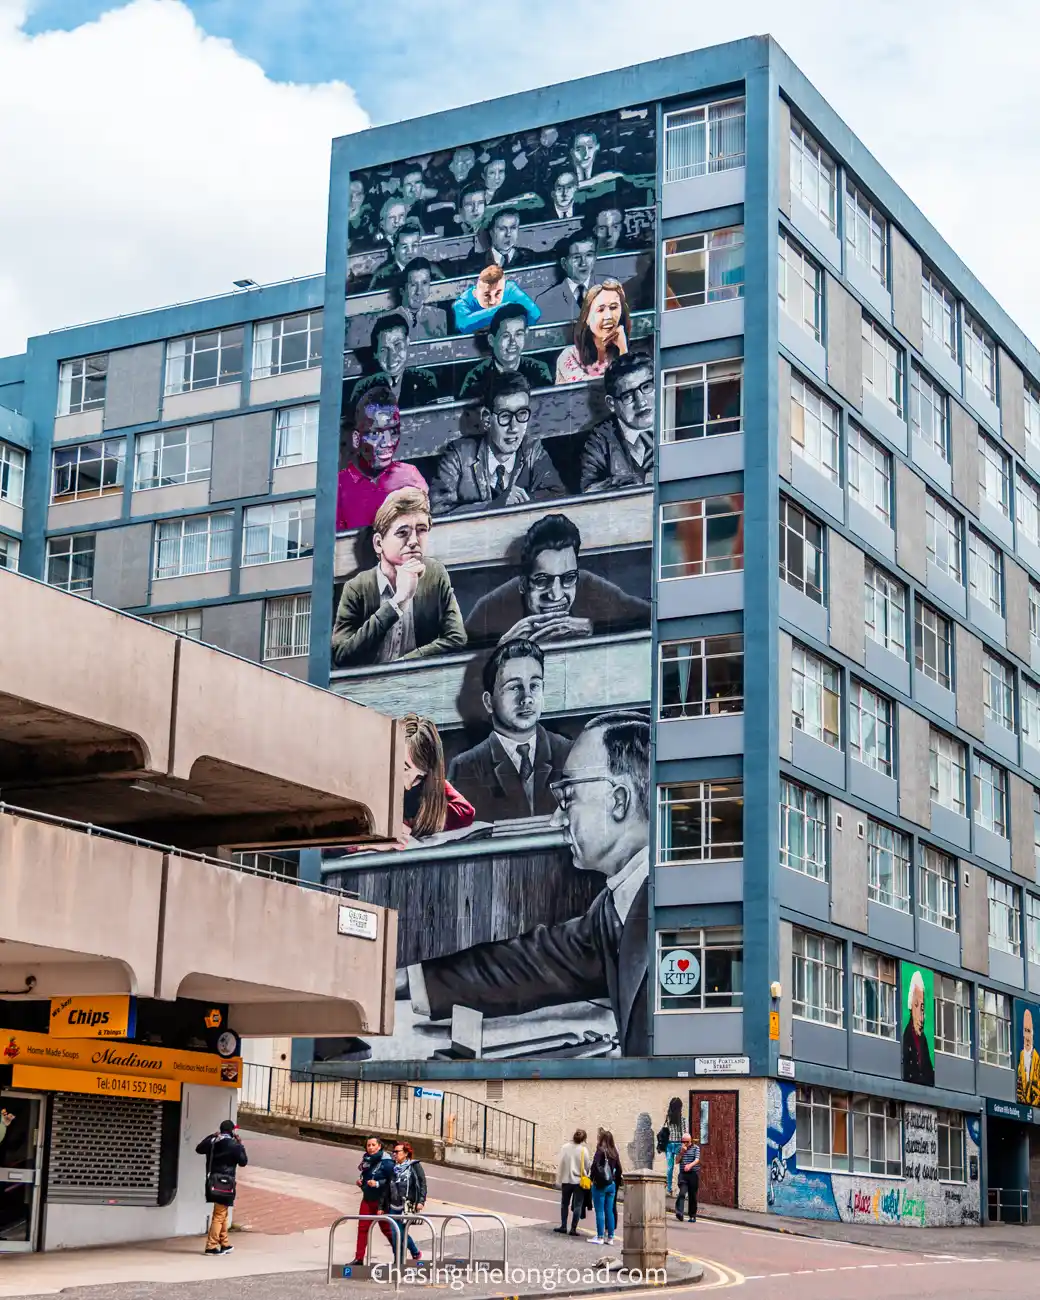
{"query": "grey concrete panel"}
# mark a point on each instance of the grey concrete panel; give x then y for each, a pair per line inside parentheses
(955, 1073)
(947, 590)
(868, 286)
(906, 287)
(875, 787)
(696, 457)
(936, 942)
(170, 500)
(715, 320)
(707, 882)
(1016, 607)
(818, 759)
(783, 693)
(783, 147)
(844, 342)
(1030, 760)
(964, 449)
(703, 193)
(994, 848)
(981, 403)
(926, 458)
(891, 668)
(871, 1055)
(889, 925)
(802, 612)
(845, 595)
(699, 1033)
(77, 427)
(295, 478)
(987, 620)
(967, 651)
(89, 510)
(133, 389)
(801, 893)
(1023, 851)
(874, 531)
(974, 917)
(1006, 968)
(808, 351)
(911, 522)
(1028, 551)
(950, 826)
(996, 521)
(882, 419)
(935, 697)
(822, 491)
(237, 628)
(122, 565)
(786, 973)
(1033, 977)
(700, 737)
(942, 363)
(996, 1083)
(192, 588)
(915, 801)
(1001, 740)
(1011, 387)
(279, 576)
(811, 225)
(241, 456)
(821, 1044)
(783, 397)
(715, 593)
(297, 666)
(848, 867)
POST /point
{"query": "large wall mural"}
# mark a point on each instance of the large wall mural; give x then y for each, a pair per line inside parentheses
(917, 1199)
(493, 580)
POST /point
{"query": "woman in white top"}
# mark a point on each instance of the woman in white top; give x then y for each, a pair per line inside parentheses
(575, 1164)
(600, 335)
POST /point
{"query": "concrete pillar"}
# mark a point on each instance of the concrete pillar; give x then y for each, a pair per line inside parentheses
(645, 1240)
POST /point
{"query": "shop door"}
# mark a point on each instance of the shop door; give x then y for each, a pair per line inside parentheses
(713, 1116)
(21, 1165)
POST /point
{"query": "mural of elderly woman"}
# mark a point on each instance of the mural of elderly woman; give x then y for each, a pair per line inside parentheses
(600, 336)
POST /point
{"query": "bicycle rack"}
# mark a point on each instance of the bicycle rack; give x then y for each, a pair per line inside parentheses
(470, 1261)
(400, 1231)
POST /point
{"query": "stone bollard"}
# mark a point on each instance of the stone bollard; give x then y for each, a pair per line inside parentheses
(645, 1238)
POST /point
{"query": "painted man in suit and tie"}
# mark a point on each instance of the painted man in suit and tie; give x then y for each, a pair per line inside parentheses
(425, 321)
(407, 239)
(387, 366)
(576, 255)
(506, 337)
(604, 809)
(619, 452)
(508, 774)
(504, 248)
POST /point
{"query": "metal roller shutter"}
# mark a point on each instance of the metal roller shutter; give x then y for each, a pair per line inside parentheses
(104, 1149)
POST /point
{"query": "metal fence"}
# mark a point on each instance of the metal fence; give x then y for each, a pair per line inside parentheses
(1008, 1205)
(371, 1106)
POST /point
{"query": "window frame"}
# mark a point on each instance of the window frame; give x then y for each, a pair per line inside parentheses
(708, 246)
(989, 795)
(218, 540)
(885, 353)
(995, 1038)
(828, 975)
(705, 375)
(800, 285)
(953, 993)
(298, 618)
(699, 512)
(998, 690)
(224, 348)
(1031, 926)
(886, 842)
(985, 563)
(865, 703)
(707, 795)
(274, 343)
(815, 686)
(884, 614)
(994, 475)
(293, 518)
(875, 998)
(68, 379)
(795, 810)
(934, 865)
(12, 474)
(815, 433)
(81, 545)
(810, 582)
(929, 399)
(714, 160)
(937, 638)
(702, 653)
(948, 757)
(868, 461)
(111, 463)
(866, 233)
(810, 153)
(1004, 914)
(938, 302)
(951, 1124)
(181, 622)
(980, 359)
(161, 446)
(307, 435)
(945, 525)
(702, 941)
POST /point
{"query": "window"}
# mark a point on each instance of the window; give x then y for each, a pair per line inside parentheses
(951, 1146)
(877, 1136)
(998, 691)
(815, 696)
(200, 544)
(944, 538)
(292, 343)
(822, 1129)
(10, 548)
(185, 622)
(884, 609)
(1029, 703)
(813, 176)
(12, 474)
(698, 141)
(1036, 831)
(933, 637)
(870, 728)
(1032, 919)
(929, 413)
(801, 551)
(702, 678)
(93, 469)
(888, 866)
(70, 563)
(870, 474)
(702, 821)
(704, 268)
(700, 537)
(718, 956)
(994, 475)
(296, 436)
(985, 574)
(172, 456)
(939, 313)
(1032, 414)
(283, 530)
(882, 367)
(819, 978)
(1005, 916)
(989, 795)
(204, 360)
(953, 1016)
(866, 233)
(937, 889)
(800, 287)
(947, 767)
(979, 359)
(803, 829)
(1027, 508)
(814, 429)
(81, 384)
(701, 401)
(994, 1028)
(875, 994)
(1034, 612)
(287, 627)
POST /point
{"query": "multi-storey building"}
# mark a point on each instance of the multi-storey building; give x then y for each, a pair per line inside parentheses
(742, 453)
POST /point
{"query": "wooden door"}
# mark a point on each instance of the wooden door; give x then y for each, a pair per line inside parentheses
(713, 1120)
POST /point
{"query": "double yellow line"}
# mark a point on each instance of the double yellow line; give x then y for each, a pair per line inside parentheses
(724, 1275)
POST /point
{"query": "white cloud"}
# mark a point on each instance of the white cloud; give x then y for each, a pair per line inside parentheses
(147, 163)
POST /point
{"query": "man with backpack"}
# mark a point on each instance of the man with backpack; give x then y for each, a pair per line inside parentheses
(689, 1180)
(224, 1154)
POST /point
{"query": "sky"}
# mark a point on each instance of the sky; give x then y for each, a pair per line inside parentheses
(156, 150)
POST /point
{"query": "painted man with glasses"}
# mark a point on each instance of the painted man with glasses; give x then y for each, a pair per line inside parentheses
(619, 452)
(506, 465)
(604, 811)
(373, 472)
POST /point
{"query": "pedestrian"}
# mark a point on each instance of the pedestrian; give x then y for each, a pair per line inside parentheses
(669, 1138)
(607, 1177)
(224, 1154)
(689, 1164)
(574, 1178)
(376, 1172)
(407, 1192)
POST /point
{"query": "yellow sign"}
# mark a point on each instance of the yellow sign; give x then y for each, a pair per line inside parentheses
(18, 1048)
(213, 1019)
(774, 1026)
(102, 1017)
(39, 1077)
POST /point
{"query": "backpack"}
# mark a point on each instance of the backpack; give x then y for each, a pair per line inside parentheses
(604, 1173)
(662, 1140)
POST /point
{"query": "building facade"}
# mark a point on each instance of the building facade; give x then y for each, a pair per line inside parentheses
(728, 618)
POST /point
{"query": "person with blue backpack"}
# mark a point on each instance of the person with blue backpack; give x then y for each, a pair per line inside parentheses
(607, 1176)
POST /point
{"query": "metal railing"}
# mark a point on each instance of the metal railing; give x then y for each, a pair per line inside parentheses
(1007, 1205)
(400, 1229)
(375, 1106)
